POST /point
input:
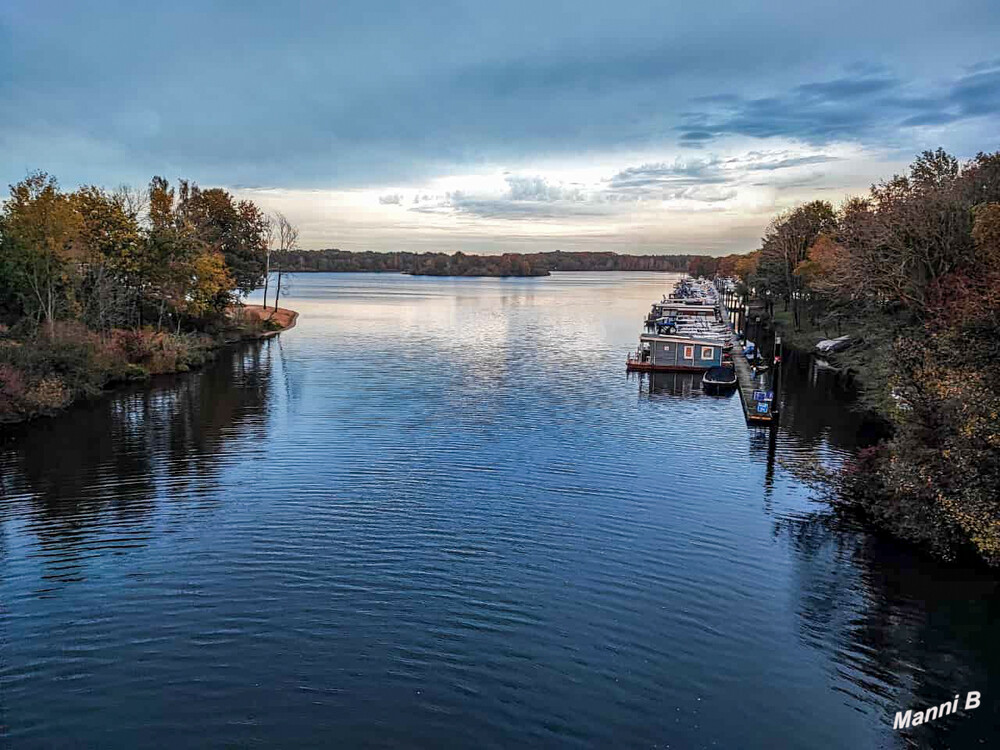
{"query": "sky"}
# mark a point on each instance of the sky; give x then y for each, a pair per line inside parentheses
(636, 126)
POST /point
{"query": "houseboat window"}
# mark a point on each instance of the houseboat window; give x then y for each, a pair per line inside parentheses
(706, 352)
(688, 352)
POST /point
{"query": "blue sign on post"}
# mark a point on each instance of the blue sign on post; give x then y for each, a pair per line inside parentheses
(763, 395)
(763, 406)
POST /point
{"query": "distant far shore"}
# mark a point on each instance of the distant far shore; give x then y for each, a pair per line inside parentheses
(505, 265)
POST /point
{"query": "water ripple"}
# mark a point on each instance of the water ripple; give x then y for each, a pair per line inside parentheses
(438, 512)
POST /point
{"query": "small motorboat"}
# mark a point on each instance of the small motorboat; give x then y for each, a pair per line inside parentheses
(719, 378)
(832, 346)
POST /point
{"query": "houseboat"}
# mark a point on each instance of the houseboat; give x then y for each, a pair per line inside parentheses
(671, 312)
(665, 353)
(692, 327)
(673, 307)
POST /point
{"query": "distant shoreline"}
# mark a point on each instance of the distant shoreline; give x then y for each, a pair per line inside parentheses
(504, 265)
(388, 272)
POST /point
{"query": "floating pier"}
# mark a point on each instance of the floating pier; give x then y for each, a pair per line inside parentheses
(756, 394)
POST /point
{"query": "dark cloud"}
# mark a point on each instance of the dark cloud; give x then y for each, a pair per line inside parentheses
(846, 88)
(359, 94)
(649, 177)
(789, 162)
(697, 135)
(525, 197)
(976, 94)
(508, 208)
(984, 65)
(930, 118)
(859, 108)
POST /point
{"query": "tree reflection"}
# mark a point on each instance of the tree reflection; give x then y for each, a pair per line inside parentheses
(675, 384)
(818, 407)
(903, 631)
(96, 475)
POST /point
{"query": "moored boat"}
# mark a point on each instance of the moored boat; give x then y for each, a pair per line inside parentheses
(684, 331)
(719, 378)
(665, 353)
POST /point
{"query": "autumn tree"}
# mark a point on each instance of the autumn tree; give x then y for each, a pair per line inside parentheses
(786, 244)
(237, 230)
(288, 240)
(702, 265)
(40, 247)
(910, 231)
(112, 250)
(269, 229)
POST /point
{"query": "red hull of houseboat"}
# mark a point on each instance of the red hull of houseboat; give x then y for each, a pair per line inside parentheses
(635, 366)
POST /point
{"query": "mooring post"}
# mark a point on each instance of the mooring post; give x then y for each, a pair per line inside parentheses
(776, 364)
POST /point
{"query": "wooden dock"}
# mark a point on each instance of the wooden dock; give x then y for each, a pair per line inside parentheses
(758, 413)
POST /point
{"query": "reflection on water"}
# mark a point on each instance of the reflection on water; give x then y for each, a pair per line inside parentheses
(90, 482)
(684, 384)
(903, 631)
(436, 513)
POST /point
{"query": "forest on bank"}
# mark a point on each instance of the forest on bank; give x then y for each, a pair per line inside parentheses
(911, 272)
(507, 264)
(99, 286)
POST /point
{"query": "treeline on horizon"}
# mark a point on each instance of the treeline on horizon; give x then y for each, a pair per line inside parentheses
(911, 271)
(507, 264)
(98, 286)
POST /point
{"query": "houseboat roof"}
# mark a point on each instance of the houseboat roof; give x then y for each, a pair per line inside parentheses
(700, 340)
(686, 303)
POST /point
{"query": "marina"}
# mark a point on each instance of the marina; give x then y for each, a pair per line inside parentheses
(691, 330)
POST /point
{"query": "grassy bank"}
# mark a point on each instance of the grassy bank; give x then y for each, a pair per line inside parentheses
(45, 371)
(805, 338)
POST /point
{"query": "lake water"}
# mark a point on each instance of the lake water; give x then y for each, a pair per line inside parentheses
(438, 513)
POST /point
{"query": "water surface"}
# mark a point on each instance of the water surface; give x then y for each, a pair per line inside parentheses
(438, 513)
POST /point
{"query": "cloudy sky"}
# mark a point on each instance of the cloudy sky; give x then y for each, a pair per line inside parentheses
(637, 126)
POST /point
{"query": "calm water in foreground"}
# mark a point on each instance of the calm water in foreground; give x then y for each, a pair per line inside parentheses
(438, 513)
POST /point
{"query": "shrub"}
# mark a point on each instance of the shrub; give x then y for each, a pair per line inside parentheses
(12, 392)
(49, 395)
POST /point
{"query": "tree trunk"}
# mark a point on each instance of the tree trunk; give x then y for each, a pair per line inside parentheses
(50, 313)
(267, 276)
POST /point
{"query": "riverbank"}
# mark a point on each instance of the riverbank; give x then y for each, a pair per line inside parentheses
(268, 321)
(801, 342)
(44, 374)
(804, 338)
